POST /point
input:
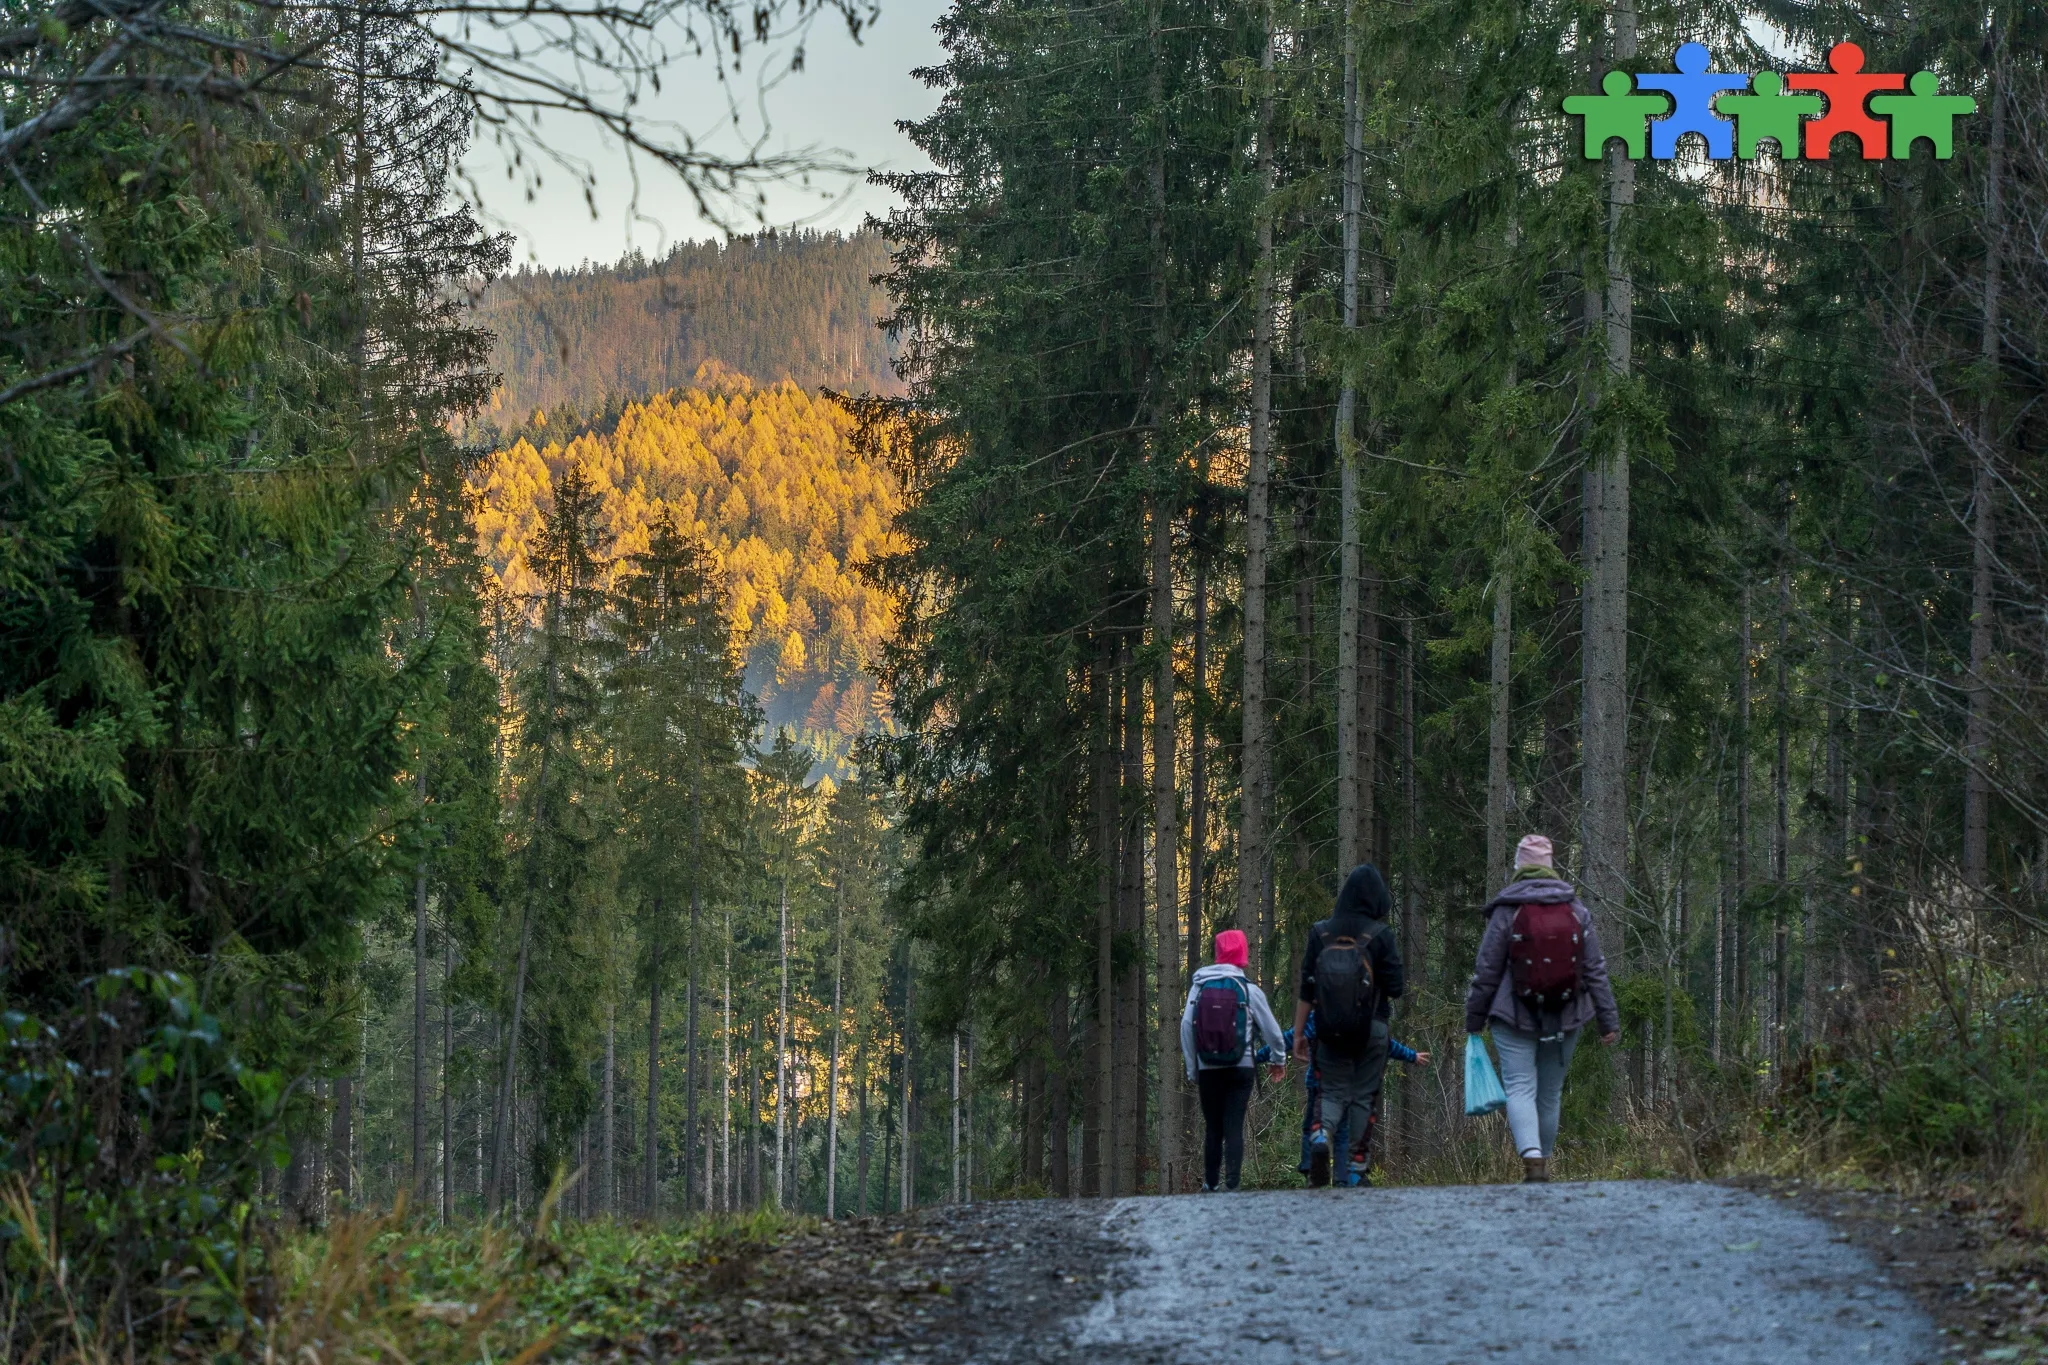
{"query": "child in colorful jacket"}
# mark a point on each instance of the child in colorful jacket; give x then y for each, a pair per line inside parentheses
(1311, 1121)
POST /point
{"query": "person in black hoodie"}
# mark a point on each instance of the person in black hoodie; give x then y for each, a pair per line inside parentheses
(1350, 975)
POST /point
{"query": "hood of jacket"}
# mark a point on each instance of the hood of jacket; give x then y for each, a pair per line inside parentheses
(1363, 895)
(1214, 970)
(1539, 890)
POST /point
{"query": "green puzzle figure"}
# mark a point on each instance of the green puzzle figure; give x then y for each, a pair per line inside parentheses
(1923, 114)
(1769, 113)
(1616, 114)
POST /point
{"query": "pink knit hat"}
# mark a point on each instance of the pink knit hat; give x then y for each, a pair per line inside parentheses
(1534, 851)
(1231, 949)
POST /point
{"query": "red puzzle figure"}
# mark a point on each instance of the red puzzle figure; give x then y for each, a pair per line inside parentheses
(1846, 91)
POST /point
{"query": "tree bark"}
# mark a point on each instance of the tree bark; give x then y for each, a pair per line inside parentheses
(1604, 741)
(1255, 763)
(1500, 698)
(755, 1194)
(1128, 1124)
(892, 1119)
(1198, 743)
(509, 1076)
(1348, 474)
(420, 1167)
(1165, 838)
(1984, 506)
(832, 1083)
(1413, 930)
(447, 1068)
(1095, 1137)
(693, 1068)
(608, 1151)
(1781, 830)
(1031, 1120)
(341, 1141)
(1059, 1115)
(725, 1192)
(1739, 909)
(1371, 684)
(782, 1050)
(860, 1145)
(650, 1150)
(907, 1115)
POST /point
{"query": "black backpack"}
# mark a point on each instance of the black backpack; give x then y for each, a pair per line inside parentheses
(1347, 997)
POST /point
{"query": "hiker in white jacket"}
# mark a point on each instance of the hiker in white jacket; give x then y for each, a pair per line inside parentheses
(1216, 1043)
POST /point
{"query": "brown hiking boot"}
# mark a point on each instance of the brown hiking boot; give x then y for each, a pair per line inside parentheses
(1535, 1171)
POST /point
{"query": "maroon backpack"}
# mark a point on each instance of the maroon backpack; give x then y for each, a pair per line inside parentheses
(1546, 953)
(1222, 1013)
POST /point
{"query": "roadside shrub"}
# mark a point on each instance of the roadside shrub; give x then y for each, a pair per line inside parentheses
(1954, 1086)
(132, 1140)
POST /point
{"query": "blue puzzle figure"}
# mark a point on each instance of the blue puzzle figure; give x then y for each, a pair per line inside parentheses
(1692, 91)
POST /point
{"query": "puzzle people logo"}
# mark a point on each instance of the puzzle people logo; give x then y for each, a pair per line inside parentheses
(1736, 113)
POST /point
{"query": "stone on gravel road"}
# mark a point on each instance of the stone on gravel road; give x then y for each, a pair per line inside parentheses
(1641, 1271)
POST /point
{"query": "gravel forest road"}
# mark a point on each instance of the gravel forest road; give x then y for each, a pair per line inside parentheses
(1620, 1273)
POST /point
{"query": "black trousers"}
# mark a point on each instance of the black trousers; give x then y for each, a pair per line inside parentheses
(1225, 1091)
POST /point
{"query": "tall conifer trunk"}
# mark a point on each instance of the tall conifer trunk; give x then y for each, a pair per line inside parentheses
(608, 1176)
(832, 1083)
(650, 1148)
(1165, 485)
(907, 1113)
(782, 1048)
(1604, 741)
(1198, 743)
(1128, 1123)
(447, 1069)
(1255, 763)
(725, 1191)
(1371, 684)
(693, 1080)
(1738, 941)
(509, 1075)
(420, 1168)
(861, 1142)
(1031, 1118)
(1498, 712)
(1984, 503)
(1781, 830)
(1059, 1102)
(754, 1192)
(1165, 838)
(1095, 1139)
(1348, 473)
(341, 1137)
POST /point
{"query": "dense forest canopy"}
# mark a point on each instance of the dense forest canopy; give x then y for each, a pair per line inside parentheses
(722, 754)
(796, 305)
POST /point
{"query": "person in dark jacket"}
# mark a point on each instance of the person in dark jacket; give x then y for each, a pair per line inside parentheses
(1312, 1108)
(1350, 1071)
(1535, 1053)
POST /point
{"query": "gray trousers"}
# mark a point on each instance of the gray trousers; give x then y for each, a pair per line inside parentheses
(1532, 1071)
(1351, 1087)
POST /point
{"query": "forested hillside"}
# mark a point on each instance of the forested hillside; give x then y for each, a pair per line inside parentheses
(799, 306)
(788, 511)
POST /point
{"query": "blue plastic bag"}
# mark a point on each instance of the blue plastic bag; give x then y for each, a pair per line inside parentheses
(1483, 1093)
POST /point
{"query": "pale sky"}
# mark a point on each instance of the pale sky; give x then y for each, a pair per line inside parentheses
(847, 98)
